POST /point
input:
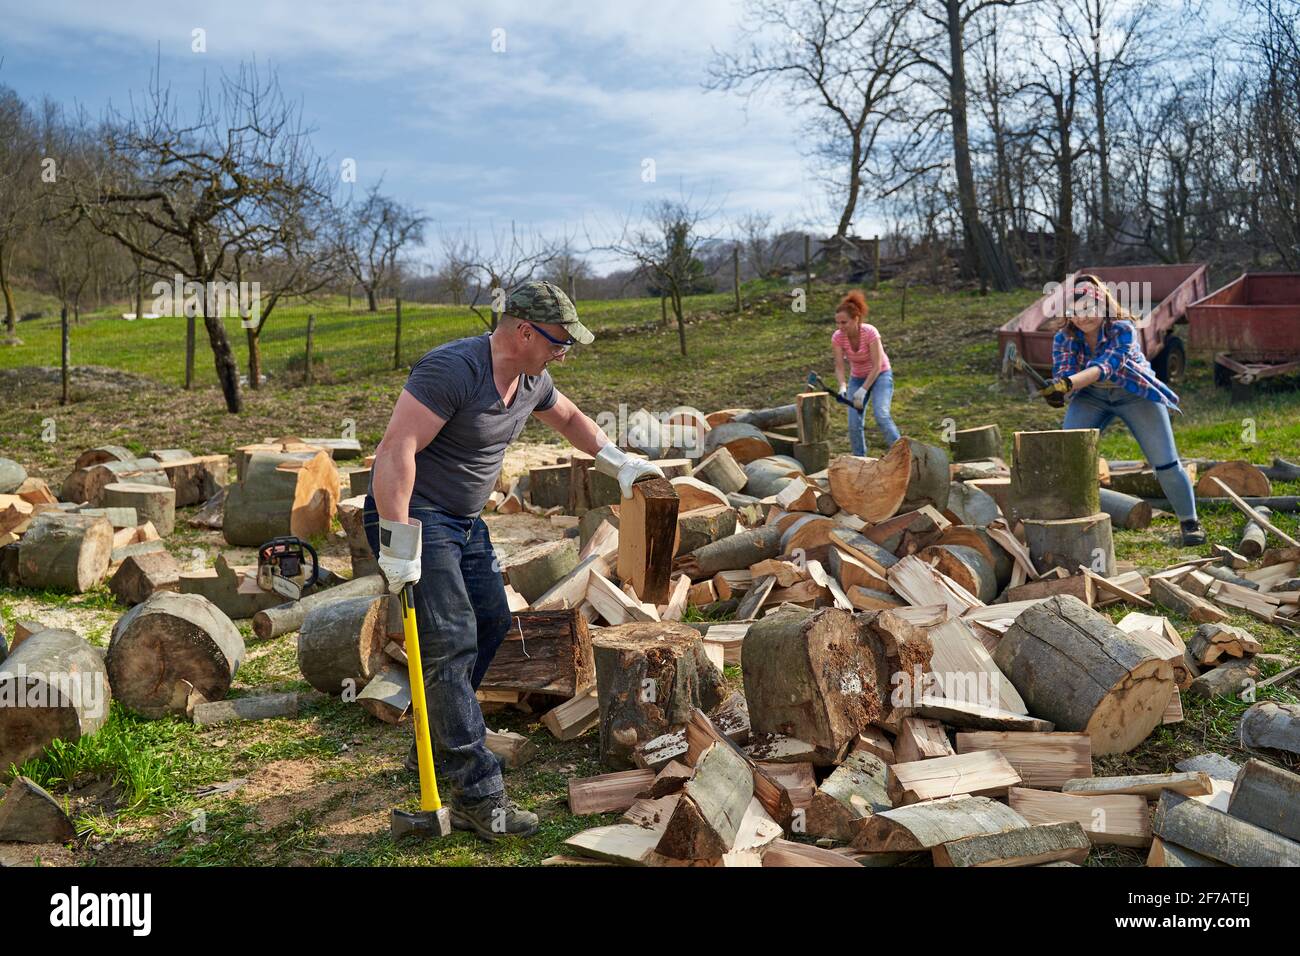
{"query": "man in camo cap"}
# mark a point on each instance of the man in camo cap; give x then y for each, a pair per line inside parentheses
(463, 404)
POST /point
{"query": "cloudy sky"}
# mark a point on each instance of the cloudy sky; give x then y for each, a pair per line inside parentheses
(552, 132)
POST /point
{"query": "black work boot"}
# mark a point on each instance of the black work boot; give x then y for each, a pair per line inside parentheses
(1192, 533)
(493, 817)
(412, 759)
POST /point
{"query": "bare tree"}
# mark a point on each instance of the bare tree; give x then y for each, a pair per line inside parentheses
(371, 236)
(20, 172)
(504, 259)
(846, 62)
(219, 185)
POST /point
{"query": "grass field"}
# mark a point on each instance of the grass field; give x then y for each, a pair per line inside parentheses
(318, 788)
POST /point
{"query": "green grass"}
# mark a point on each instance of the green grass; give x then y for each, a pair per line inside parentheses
(944, 358)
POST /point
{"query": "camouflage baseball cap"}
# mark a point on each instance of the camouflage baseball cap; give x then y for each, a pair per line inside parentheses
(540, 301)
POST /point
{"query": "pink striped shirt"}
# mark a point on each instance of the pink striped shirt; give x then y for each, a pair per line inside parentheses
(860, 360)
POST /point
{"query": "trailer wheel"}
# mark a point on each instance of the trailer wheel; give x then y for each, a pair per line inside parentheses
(1171, 364)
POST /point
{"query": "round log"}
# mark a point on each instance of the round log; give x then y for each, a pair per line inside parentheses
(1073, 667)
(53, 686)
(1054, 474)
(767, 476)
(972, 505)
(765, 419)
(341, 643)
(151, 503)
(104, 453)
(65, 552)
(12, 475)
(1125, 511)
(1070, 542)
(169, 646)
(966, 566)
(745, 442)
(977, 444)
(285, 618)
(299, 498)
(1241, 476)
(910, 474)
(165, 455)
(533, 570)
(649, 677)
(87, 484)
(978, 538)
(1253, 536)
(733, 553)
(722, 471)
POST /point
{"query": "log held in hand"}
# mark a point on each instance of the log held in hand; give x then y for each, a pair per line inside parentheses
(647, 533)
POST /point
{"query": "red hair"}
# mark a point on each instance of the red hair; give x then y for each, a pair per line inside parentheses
(854, 305)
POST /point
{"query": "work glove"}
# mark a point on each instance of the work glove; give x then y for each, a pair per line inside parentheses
(1057, 386)
(399, 552)
(844, 391)
(613, 461)
(860, 398)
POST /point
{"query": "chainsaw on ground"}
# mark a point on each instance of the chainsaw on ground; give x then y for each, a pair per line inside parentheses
(281, 567)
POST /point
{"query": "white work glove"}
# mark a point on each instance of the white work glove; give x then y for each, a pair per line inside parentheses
(613, 461)
(399, 552)
(860, 398)
(844, 391)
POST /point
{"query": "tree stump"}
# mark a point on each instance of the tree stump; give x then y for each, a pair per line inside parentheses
(744, 441)
(87, 484)
(151, 503)
(196, 478)
(546, 651)
(341, 643)
(548, 486)
(1054, 474)
(1241, 476)
(722, 471)
(909, 476)
(649, 677)
(1074, 668)
(140, 575)
(1125, 511)
(170, 646)
(281, 494)
(821, 677)
(65, 552)
(533, 570)
(63, 688)
(1070, 542)
(977, 444)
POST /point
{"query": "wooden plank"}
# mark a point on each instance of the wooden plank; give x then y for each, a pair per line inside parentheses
(1045, 761)
(574, 717)
(1254, 515)
(1147, 785)
(1028, 846)
(980, 773)
(607, 792)
(965, 672)
(921, 739)
(1111, 819)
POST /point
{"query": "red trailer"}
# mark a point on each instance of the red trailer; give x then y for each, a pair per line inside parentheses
(1251, 328)
(1158, 297)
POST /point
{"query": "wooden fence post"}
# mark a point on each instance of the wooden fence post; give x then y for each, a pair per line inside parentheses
(875, 275)
(311, 331)
(397, 341)
(67, 352)
(735, 273)
(807, 261)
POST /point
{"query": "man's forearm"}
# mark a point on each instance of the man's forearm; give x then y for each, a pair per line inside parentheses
(394, 472)
(583, 433)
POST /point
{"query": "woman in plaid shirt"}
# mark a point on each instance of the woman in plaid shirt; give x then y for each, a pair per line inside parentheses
(1098, 366)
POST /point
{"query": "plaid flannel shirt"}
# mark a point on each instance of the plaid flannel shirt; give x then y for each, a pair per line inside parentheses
(1118, 356)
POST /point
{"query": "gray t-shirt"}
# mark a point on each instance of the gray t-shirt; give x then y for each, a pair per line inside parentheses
(457, 470)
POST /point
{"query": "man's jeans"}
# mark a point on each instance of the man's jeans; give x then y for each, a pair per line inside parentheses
(1096, 408)
(880, 397)
(461, 609)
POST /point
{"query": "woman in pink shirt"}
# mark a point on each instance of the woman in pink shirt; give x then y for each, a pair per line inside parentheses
(869, 378)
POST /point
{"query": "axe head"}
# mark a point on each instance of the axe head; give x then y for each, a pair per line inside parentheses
(421, 823)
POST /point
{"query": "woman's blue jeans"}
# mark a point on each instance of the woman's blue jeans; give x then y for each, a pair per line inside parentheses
(463, 616)
(1149, 422)
(880, 397)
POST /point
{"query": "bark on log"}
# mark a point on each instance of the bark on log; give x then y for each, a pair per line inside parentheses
(196, 478)
(1028, 846)
(1241, 476)
(765, 477)
(65, 552)
(1125, 511)
(140, 575)
(971, 505)
(721, 470)
(822, 677)
(908, 532)
(703, 526)
(813, 417)
(1253, 537)
(168, 647)
(977, 444)
(534, 570)
(151, 503)
(286, 618)
(30, 814)
(1202, 829)
(12, 475)
(649, 677)
(744, 441)
(87, 484)
(923, 826)
(387, 695)
(63, 688)
(964, 565)
(1270, 726)
(341, 643)
(856, 789)
(1067, 543)
(706, 821)
(733, 553)
(262, 707)
(281, 494)
(546, 651)
(1054, 474)
(1074, 668)
(104, 453)
(979, 538)
(1268, 797)
(765, 419)
(548, 486)
(910, 475)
